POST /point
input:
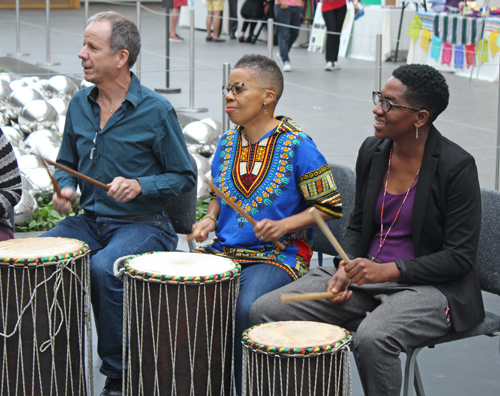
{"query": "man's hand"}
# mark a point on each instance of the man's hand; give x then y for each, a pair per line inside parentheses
(63, 205)
(339, 283)
(363, 271)
(124, 190)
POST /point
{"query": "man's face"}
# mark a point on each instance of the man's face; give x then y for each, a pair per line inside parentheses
(98, 63)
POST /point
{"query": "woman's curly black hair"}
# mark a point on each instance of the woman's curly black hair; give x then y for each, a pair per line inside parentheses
(426, 88)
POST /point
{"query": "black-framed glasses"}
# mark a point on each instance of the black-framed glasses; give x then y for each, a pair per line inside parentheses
(237, 88)
(387, 104)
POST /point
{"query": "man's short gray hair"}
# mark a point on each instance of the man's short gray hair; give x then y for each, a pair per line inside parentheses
(124, 34)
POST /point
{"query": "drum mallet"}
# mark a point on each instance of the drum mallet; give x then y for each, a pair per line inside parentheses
(236, 208)
(57, 190)
(329, 235)
(78, 174)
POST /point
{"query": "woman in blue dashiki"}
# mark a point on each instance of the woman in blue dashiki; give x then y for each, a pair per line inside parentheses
(275, 173)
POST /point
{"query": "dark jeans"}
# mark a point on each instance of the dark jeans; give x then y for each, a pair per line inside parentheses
(334, 19)
(109, 239)
(287, 35)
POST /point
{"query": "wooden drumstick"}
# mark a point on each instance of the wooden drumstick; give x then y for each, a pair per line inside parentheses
(52, 178)
(78, 174)
(329, 235)
(236, 208)
(286, 298)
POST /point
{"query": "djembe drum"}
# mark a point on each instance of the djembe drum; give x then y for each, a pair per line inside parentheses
(296, 358)
(44, 318)
(179, 315)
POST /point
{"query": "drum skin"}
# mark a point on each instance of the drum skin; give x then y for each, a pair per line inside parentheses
(31, 364)
(181, 337)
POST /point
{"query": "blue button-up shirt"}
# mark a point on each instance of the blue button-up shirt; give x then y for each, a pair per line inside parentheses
(142, 140)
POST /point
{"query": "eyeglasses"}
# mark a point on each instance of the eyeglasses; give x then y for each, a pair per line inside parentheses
(237, 88)
(387, 104)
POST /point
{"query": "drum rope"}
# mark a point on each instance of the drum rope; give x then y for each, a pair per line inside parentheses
(193, 352)
(126, 330)
(156, 344)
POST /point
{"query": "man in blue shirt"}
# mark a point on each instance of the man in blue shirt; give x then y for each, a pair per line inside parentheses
(123, 134)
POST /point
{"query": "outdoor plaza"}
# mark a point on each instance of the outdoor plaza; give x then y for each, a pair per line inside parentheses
(334, 108)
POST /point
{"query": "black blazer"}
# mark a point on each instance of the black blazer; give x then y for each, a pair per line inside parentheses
(446, 221)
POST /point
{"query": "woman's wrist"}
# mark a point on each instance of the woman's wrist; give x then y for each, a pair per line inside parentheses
(212, 217)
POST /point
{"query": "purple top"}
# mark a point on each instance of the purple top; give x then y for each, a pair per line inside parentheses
(399, 242)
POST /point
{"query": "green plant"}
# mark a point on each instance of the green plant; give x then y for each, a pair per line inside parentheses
(45, 217)
(201, 208)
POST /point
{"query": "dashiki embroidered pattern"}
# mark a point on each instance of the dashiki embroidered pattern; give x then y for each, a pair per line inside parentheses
(279, 176)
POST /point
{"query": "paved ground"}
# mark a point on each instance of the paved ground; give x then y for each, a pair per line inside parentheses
(334, 108)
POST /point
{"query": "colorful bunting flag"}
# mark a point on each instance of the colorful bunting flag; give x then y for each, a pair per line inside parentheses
(414, 29)
(436, 47)
(482, 51)
(470, 52)
(459, 57)
(492, 41)
(447, 54)
(425, 39)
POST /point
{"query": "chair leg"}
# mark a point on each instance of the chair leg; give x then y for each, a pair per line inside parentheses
(320, 259)
(411, 371)
(419, 386)
(192, 245)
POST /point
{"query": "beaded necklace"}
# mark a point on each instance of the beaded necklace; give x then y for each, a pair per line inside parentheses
(384, 237)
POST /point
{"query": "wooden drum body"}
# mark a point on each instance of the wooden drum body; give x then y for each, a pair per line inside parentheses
(179, 314)
(44, 318)
(296, 358)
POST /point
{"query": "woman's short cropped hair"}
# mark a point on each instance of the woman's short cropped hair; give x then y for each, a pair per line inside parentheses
(426, 88)
(266, 71)
(124, 34)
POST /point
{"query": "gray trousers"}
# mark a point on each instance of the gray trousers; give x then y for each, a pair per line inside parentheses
(396, 318)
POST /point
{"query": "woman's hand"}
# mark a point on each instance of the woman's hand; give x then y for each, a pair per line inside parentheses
(363, 271)
(202, 229)
(269, 230)
(339, 283)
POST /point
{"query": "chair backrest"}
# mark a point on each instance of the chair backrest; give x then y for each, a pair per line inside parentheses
(488, 254)
(345, 179)
(182, 209)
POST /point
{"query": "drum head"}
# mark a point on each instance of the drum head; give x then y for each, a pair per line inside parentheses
(179, 266)
(34, 251)
(296, 337)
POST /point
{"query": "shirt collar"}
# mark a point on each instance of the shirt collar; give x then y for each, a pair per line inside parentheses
(133, 93)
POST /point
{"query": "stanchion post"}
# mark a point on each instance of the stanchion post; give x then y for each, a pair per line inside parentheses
(167, 88)
(18, 35)
(270, 37)
(498, 140)
(47, 38)
(378, 63)
(226, 69)
(191, 108)
(138, 62)
(86, 12)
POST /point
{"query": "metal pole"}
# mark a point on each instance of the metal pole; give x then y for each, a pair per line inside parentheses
(378, 63)
(498, 141)
(270, 37)
(191, 108)
(47, 38)
(18, 34)
(138, 63)
(404, 4)
(167, 60)
(86, 12)
(226, 69)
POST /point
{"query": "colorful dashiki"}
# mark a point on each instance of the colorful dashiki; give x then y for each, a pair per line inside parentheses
(281, 175)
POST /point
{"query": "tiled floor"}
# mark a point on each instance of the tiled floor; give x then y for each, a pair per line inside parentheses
(334, 108)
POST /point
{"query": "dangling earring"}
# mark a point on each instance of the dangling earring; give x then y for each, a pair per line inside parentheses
(265, 110)
(416, 135)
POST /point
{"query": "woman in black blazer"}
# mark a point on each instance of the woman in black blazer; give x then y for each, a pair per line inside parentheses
(413, 237)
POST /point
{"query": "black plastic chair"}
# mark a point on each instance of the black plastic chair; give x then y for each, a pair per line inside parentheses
(345, 179)
(182, 209)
